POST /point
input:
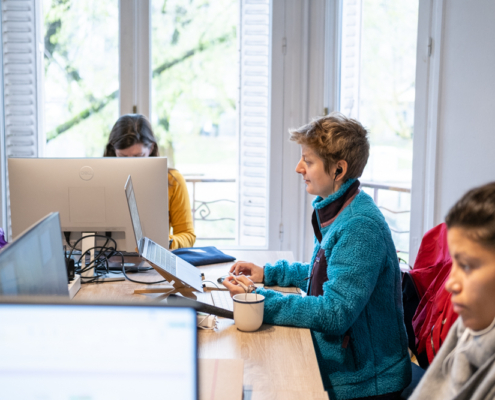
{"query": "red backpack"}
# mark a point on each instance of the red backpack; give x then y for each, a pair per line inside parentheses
(434, 315)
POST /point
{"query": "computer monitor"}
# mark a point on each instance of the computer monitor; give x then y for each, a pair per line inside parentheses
(51, 350)
(34, 263)
(87, 192)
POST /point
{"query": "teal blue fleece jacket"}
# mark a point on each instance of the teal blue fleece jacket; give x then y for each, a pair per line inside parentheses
(361, 299)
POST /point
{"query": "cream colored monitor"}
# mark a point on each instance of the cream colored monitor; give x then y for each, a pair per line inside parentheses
(87, 192)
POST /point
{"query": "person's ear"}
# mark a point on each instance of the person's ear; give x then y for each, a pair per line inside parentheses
(340, 170)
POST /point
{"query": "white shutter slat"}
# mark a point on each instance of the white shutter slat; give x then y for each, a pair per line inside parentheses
(20, 81)
(253, 121)
(350, 57)
(19, 57)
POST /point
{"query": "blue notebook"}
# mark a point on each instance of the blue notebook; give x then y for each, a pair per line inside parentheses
(202, 255)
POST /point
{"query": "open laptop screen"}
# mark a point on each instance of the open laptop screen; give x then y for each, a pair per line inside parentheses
(34, 264)
(73, 351)
(131, 201)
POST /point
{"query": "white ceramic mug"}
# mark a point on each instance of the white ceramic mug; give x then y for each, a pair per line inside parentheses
(248, 311)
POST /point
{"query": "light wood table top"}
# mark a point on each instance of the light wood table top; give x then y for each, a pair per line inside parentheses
(279, 362)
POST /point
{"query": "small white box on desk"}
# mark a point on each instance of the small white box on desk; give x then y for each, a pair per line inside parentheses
(74, 286)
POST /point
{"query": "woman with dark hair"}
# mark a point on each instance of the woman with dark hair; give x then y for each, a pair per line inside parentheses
(132, 136)
(464, 368)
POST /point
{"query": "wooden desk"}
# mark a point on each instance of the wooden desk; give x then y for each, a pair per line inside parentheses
(279, 362)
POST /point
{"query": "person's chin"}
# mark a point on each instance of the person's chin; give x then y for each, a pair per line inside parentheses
(468, 320)
(309, 190)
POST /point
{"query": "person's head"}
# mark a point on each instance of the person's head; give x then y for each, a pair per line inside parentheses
(131, 136)
(334, 148)
(471, 239)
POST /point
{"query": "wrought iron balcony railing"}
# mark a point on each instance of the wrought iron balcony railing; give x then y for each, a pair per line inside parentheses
(201, 208)
(202, 212)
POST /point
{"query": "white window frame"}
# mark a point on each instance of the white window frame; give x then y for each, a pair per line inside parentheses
(298, 95)
(135, 57)
(426, 119)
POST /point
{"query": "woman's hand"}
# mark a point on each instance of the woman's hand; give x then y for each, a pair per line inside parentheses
(255, 272)
(234, 288)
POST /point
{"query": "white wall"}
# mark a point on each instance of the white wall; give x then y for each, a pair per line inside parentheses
(466, 132)
(455, 110)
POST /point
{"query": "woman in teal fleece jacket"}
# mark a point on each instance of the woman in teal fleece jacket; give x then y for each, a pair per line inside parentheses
(354, 303)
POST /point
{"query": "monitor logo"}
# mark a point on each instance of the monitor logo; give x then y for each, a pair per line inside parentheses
(86, 173)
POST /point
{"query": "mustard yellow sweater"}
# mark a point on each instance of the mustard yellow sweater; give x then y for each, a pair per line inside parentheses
(179, 212)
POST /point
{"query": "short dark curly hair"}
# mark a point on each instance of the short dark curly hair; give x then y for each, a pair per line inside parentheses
(336, 137)
(475, 213)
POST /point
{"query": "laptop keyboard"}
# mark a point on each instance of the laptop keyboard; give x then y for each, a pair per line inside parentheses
(222, 299)
(161, 257)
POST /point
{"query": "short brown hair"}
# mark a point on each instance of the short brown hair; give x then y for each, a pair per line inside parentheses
(335, 137)
(475, 212)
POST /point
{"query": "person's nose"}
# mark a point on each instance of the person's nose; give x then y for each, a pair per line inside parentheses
(300, 167)
(453, 284)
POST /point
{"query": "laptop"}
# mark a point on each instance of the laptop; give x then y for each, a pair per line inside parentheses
(34, 263)
(52, 349)
(167, 264)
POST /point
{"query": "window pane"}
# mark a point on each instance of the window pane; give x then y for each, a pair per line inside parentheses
(194, 97)
(384, 40)
(81, 75)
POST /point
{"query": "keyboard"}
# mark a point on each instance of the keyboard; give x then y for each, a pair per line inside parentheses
(161, 257)
(222, 299)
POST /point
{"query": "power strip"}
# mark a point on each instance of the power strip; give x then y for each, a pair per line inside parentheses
(74, 286)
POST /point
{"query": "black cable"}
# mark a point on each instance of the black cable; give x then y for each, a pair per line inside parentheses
(132, 280)
(89, 236)
(100, 260)
(219, 288)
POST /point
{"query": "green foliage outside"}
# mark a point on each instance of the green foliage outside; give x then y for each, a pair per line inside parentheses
(194, 87)
(194, 64)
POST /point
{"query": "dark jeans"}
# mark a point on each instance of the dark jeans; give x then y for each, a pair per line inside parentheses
(388, 396)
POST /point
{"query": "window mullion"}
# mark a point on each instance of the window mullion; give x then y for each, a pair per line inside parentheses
(135, 57)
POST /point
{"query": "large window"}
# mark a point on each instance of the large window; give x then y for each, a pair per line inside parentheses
(209, 66)
(194, 105)
(81, 62)
(378, 87)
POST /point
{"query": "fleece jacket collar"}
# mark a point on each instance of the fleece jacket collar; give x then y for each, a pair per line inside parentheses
(320, 202)
(326, 210)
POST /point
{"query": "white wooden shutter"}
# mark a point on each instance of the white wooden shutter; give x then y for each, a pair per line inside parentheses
(350, 57)
(21, 71)
(254, 42)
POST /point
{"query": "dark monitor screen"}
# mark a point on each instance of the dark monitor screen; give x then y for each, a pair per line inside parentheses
(34, 263)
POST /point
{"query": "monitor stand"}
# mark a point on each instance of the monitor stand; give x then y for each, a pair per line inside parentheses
(88, 243)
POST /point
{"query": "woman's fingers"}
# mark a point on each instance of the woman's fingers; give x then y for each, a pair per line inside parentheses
(244, 279)
(232, 269)
(243, 267)
(229, 282)
(233, 287)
